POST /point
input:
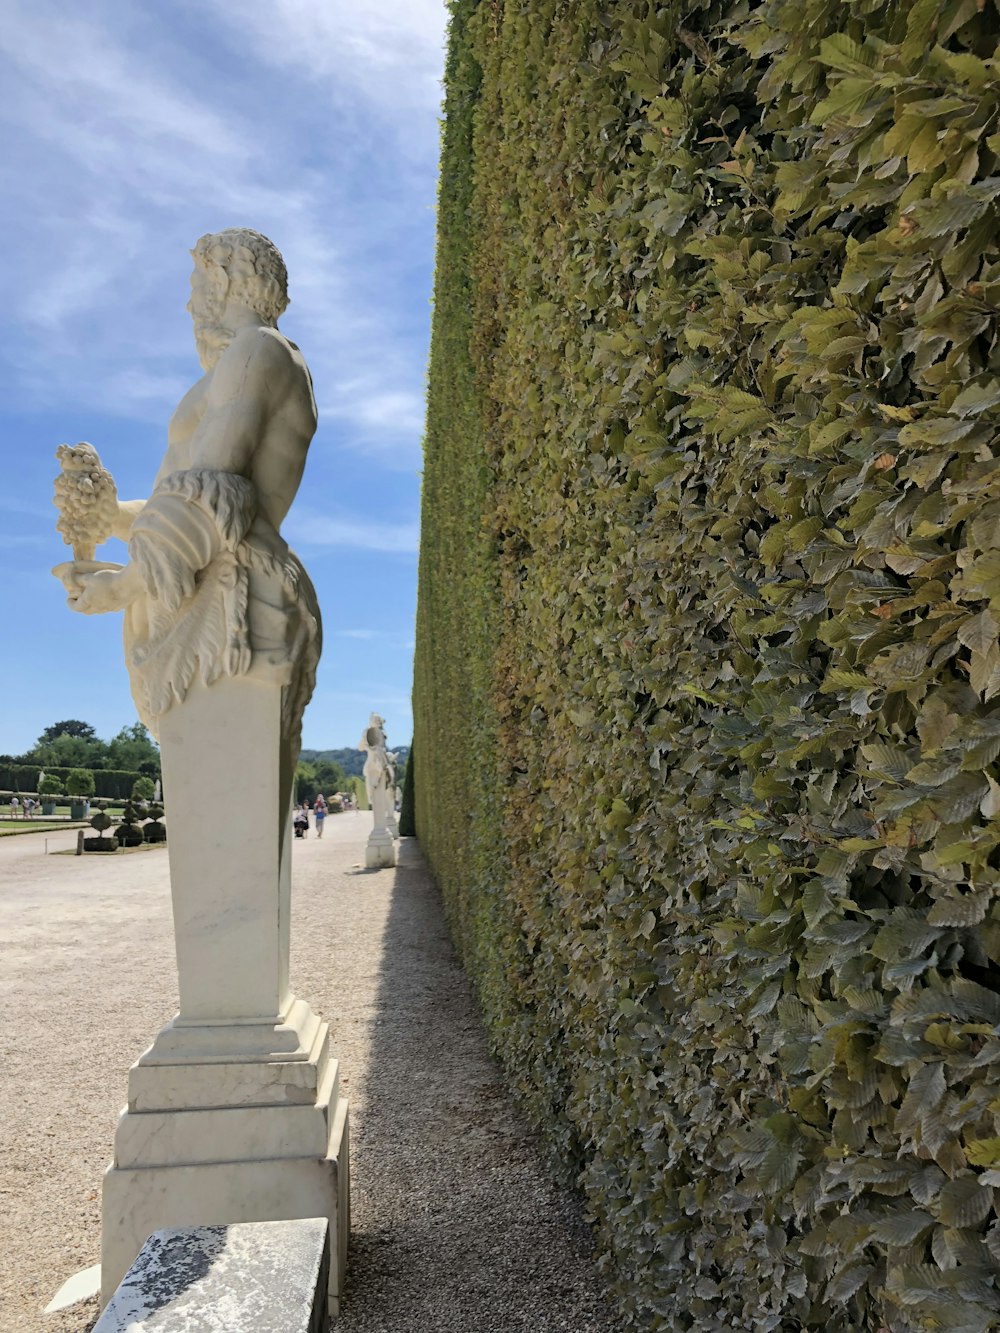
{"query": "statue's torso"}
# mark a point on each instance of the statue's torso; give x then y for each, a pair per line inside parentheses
(227, 594)
(285, 430)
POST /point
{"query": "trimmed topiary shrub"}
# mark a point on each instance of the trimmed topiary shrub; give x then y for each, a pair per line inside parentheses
(707, 659)
(101, 821)
(129, 832)
(49, 789)
(155, 830)
(80, 782)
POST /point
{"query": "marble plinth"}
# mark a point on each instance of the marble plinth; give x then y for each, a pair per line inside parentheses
(234, 1112)
(380, 851)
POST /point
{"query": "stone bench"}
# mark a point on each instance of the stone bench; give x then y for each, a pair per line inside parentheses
(248, 1277)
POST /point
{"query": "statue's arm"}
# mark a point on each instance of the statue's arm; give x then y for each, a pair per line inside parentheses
(128, 511)
(248, 383)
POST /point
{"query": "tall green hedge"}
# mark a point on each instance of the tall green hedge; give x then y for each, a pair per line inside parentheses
(707, 672)
(407, 812)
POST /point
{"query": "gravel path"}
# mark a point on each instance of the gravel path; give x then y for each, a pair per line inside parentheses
(456, 1224)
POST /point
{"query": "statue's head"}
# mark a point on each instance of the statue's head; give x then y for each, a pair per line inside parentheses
(234, 265)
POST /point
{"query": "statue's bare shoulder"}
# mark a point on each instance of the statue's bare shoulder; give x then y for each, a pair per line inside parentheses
(259, 361)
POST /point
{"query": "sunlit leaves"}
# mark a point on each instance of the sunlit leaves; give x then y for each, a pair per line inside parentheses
(708, 656)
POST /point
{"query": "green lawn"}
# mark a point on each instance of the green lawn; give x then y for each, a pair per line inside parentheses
(9, 827)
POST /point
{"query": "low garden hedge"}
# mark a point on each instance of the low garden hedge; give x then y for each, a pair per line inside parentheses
(110, 783)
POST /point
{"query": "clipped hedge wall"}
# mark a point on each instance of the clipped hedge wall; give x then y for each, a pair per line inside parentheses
(707, 662)
(109, 782)
(407, 814)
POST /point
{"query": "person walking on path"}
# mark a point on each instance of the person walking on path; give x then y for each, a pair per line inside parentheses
(319, 814)
(300, 820)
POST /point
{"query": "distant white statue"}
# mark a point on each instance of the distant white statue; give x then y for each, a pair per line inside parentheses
(211, 588)
(380, 783)
(41, 779)
(157, 791)
(378, 772)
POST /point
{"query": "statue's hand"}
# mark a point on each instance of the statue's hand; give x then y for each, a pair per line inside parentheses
(94, 587)
(94, 593)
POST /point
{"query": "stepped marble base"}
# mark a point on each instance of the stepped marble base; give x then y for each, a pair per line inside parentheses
(230, 1123)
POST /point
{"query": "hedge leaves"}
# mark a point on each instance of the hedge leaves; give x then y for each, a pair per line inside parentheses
(707, 671)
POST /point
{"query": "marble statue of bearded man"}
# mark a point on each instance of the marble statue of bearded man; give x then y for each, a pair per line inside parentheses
(211, 588)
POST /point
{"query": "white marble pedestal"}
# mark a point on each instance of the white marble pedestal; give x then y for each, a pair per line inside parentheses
(234, 1113)
(381, 849)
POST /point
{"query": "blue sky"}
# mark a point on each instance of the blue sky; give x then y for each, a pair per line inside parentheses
(130, 130)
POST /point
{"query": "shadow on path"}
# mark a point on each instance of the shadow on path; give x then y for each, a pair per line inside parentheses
(457, 1224)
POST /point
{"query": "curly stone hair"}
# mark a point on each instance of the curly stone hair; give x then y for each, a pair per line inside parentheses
(254, 266)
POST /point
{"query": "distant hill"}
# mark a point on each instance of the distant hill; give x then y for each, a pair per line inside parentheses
(353, 761)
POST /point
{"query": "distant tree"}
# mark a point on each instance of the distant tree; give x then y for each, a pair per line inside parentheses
(66, 751)
(329, 776)
(71, 727)
(74, 744)
(143, 789)
(321, 775)
(350, 760)
(132, 748)
(305, 782)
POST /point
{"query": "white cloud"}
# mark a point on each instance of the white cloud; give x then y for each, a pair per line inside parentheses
(100, 85)
(358, 633)
(306, 528)
(373, 416)
(378, 410)
(120, 152)
(135, 388)
(390, 53)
